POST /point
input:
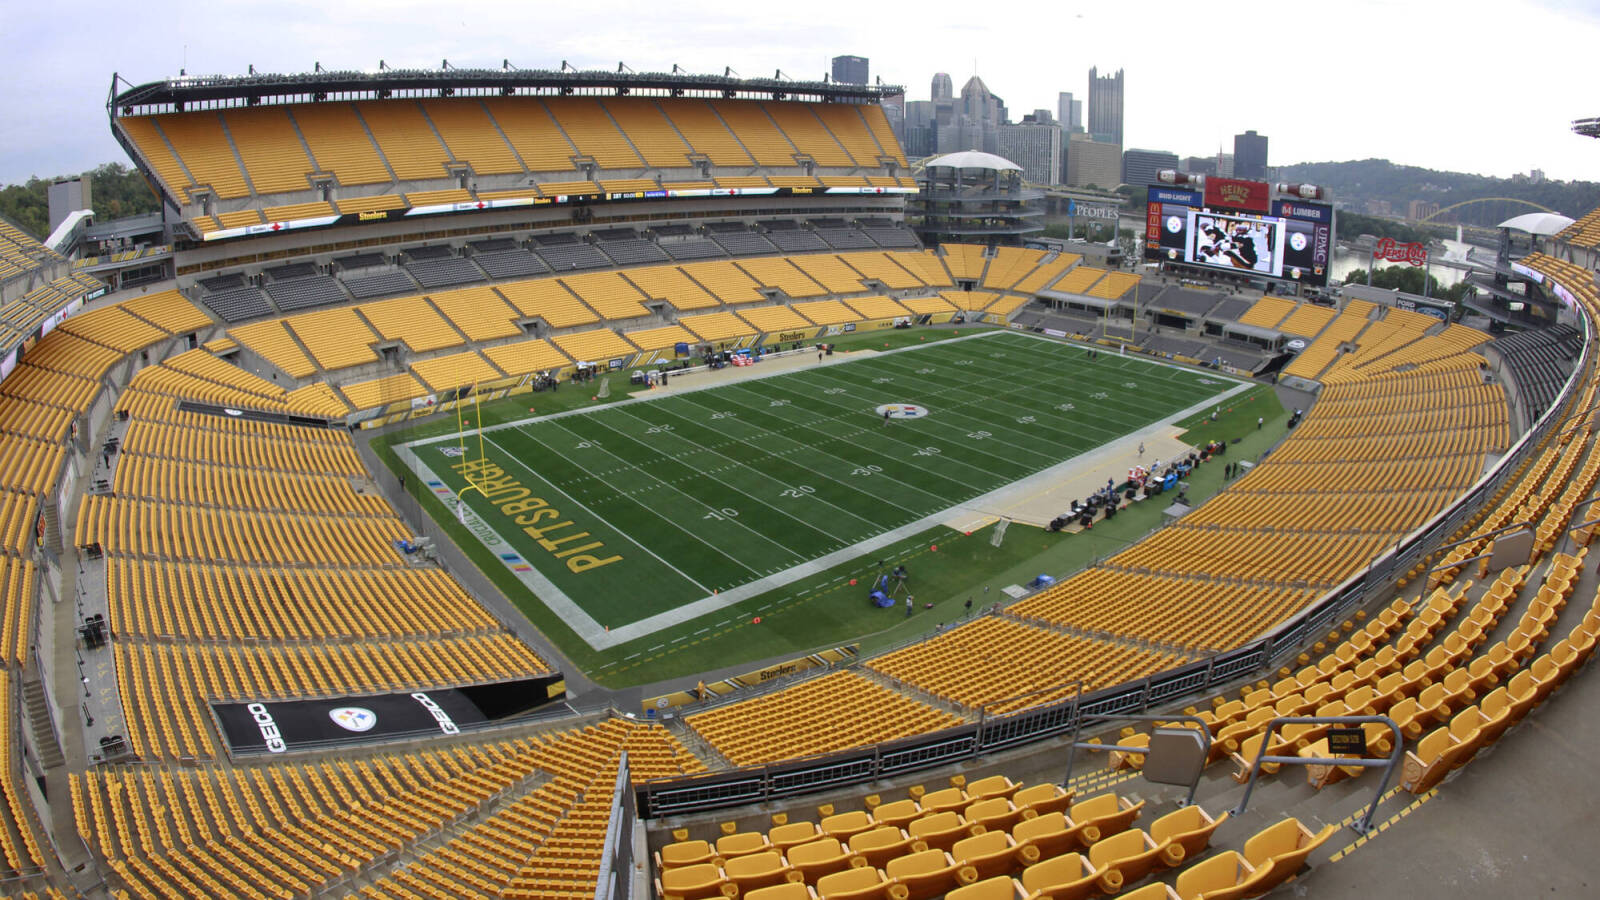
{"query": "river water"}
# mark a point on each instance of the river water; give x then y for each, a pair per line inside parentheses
(1347, 259)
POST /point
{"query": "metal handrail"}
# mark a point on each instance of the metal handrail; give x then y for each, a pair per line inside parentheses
(1362, 825)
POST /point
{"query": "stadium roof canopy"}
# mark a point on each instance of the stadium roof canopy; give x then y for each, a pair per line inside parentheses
(1539, 223)
(212, 91)
(972, 159)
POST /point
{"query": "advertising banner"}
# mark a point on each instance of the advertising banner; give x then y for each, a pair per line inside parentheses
(1390, 250)
(290, 725)
(1102, 211)
(1231, 193)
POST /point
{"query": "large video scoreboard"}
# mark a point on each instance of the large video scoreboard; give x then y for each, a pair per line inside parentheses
(1238, 226)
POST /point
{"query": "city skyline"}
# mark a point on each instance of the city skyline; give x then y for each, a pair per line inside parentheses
(1324, 87)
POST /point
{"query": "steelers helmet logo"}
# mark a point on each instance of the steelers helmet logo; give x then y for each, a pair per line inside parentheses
(353, 718)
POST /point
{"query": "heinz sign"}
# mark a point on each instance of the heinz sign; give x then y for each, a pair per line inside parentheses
(1389, 250)
(1230, 193)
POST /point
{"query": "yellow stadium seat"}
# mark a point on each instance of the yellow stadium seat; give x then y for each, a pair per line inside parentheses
(1134, 854)
(1001, 887)
(939, 830)
(1068, 877)
(818, 858)
(684, 853)
(785, 891)
(759, 870)
(1043, 798)
(924, 875)
(1226, 876)
(1189, 827)
(738, 843)
(702, 880)
(897, 812)
(860, 884)
(1282, 848)
(879, 845)
(985, 855)
(1052, 834)
(1107, 812)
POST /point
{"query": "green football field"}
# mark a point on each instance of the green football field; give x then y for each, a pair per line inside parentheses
(631, 518)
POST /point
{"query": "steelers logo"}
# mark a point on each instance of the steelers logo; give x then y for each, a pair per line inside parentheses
(901, 411)
(353, 718)
(1297, 241)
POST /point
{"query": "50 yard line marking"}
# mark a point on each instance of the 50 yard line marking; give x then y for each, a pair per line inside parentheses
(1007, 431)
(1043, 401)
(845, 430)
(899, 436)
(818, 449)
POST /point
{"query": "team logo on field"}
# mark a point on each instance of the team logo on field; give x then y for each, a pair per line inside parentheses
(901, 411)
(452, 451)
(353, 718)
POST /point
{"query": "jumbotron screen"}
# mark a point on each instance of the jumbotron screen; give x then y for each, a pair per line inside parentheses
(1284, 239)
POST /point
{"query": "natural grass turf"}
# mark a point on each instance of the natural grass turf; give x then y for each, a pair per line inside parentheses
(700, 492)
(824, 610)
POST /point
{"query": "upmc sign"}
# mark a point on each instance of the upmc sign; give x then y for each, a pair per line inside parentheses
(1390, 250)
(1230, 193)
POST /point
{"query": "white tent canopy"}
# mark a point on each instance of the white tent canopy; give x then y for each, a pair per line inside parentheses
(973, 159)
(1540, 223)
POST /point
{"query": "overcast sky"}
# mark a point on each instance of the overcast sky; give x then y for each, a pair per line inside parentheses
(1470, 86)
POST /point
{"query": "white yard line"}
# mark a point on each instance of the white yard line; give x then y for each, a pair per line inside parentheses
(708, 474)
(823, 475)
(598, 518)
(843, 432)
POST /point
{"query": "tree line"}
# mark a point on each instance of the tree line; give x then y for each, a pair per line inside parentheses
(116, 191)
(1355, 182)
(1411, 280)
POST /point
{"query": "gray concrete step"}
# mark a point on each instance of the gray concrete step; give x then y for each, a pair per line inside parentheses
(44, 729)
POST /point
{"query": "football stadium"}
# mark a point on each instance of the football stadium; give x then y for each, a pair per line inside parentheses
(567, 484)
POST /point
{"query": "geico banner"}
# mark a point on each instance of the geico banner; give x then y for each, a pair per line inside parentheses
(290, 725)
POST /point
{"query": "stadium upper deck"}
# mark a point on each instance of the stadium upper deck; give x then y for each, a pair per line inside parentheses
(237, 156)
(37, 289)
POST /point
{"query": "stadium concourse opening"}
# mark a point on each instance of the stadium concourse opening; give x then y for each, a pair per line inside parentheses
(191, 484)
